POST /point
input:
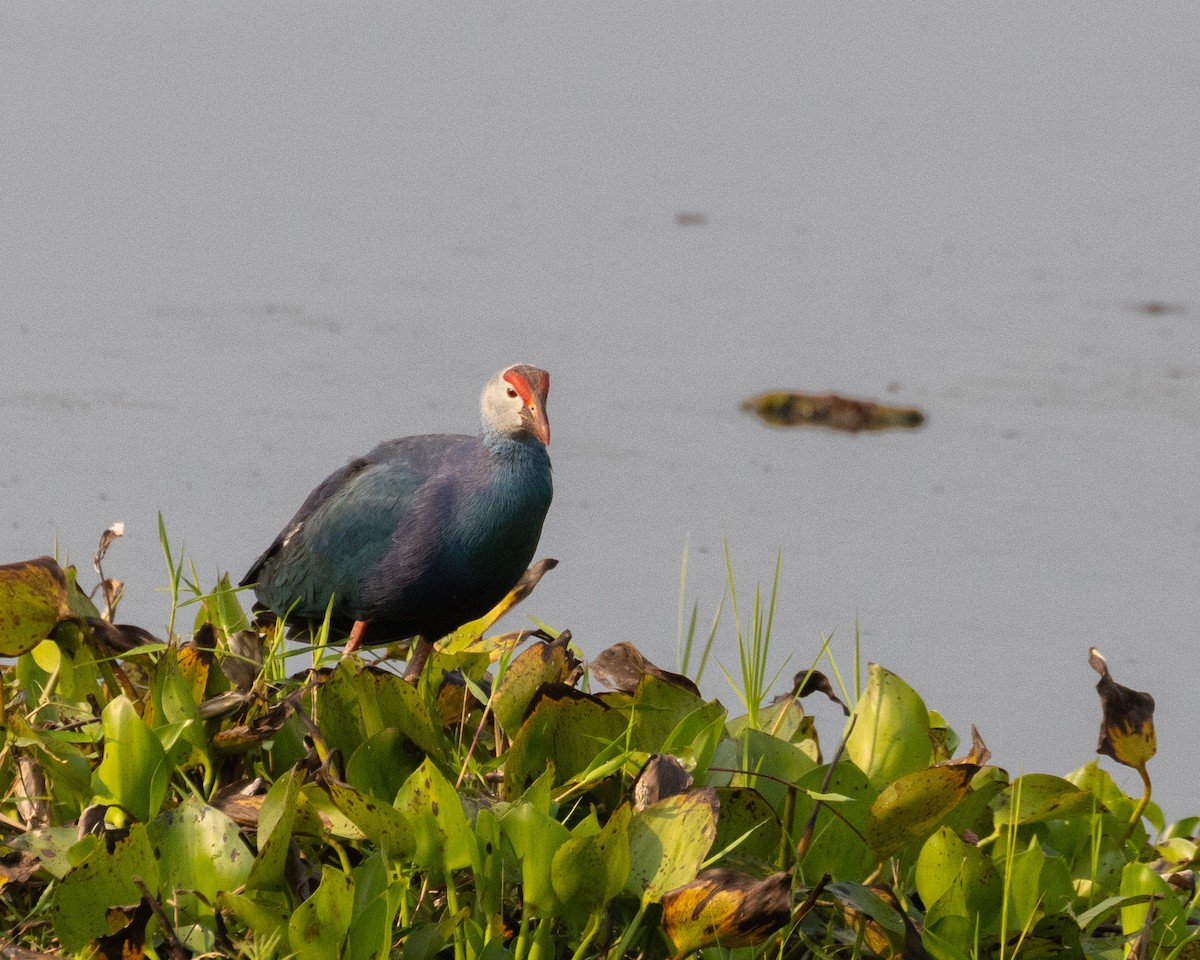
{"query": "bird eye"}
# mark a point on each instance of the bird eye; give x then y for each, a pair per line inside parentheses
(512, 393)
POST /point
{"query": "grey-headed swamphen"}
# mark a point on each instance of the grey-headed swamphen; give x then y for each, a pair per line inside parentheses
(423, 534)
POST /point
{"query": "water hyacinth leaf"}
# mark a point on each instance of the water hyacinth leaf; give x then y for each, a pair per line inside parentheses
(50, 846)
(81, 902)
(200, 850)
(1036, 797)
(541, 663)
(660, 710)
(566, 729)
(33, 598)
(319, 926)
(1039, 885)
(376, 902)
(891, 729)
(535, 837)
(748, 821)
(381, 764)
(960, 885)
(909, 808)
(1127, 729)
(380, 823)
(589, 870)
(134, 772)
(444, 840)
(669, 841)
(1169, 920)
(781, 760)
(356, 702)
(837, 846)
(726, 908)
(276, 819)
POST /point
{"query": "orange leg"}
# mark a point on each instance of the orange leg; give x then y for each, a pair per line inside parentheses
(356, 633)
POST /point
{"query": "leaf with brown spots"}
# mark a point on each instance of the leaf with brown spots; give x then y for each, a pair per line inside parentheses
(33, 598)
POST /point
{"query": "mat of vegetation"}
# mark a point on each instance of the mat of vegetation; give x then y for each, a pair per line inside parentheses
(215, 792)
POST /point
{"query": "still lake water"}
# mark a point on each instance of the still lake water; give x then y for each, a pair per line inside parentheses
(240, 244)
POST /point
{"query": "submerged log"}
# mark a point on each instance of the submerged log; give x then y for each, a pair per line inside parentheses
(785, 408)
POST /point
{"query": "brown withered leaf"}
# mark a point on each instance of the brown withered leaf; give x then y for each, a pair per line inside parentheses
(1127, 728)
(622, 666)
(127, 940)
(662, 776)
(243, 663)
(728, 908)
(110, 587)
(786, 408)
(812, 681)
(242, 737)
(114, 638)
(17, 867)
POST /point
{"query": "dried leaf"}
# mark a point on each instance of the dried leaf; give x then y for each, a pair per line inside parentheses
(662, 776)
(1127, 728)
(622, 666)
(812, 681)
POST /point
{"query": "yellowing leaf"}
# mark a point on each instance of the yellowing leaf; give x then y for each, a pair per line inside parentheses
(33, 598)
(909, 808)
(668, 842)
(726, 908)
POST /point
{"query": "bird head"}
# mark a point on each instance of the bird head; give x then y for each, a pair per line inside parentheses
(514, 402)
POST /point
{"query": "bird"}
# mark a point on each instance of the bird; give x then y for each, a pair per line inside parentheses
(423, 533)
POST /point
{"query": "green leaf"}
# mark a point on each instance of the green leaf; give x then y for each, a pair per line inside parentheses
(444, 839)
(909, 808)
(669, 841)
(357, 702)
(837, 847)
(588, 871)
(381, 763)
(541, 663)
(747, 820)
(960, 884)
(759, 752)
(535, 837)
(566, 729)
(1035, 797)
(891, 729)
(33, 598)
(319, 926)
(199, 849)
(134, 769)
(276, 819)
(82, 899)
(381, 823)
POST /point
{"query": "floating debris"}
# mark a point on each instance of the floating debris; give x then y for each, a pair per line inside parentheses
(785, 408)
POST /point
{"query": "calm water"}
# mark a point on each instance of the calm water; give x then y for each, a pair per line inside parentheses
(239, 245)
